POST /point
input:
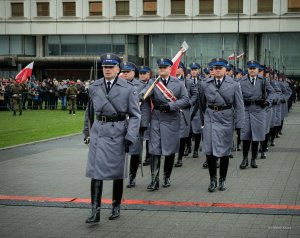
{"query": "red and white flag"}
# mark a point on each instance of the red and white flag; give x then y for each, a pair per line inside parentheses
(241, 55)
(177, 58)
(231, 57)
(22, 77)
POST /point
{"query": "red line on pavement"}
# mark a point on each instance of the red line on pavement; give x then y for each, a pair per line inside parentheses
(154, 203)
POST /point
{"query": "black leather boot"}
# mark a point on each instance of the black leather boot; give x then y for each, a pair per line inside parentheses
(155, 167)
(20, 113)
(213, 184)
(115, 211)
(131, 182)
(222, 184)
(253, 163)
(179, 161)
(134, 165)
(168, 166)
(263, 155)
(205, 164)
(244, 163)
(195, 154)
(147, 159)
(70, 112)
(96, 193)
(14, 113)
(187, 151)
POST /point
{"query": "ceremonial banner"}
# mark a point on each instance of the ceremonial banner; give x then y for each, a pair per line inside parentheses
(22, 77)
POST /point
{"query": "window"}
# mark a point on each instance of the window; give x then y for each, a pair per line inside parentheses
(42, 9)
(95, 8)
(177, 7)
(150, 7)
(69, 9)
(206, 6)
(294, 6)
(122, 8)
(264, 6)
(235, 6)
(17, 9)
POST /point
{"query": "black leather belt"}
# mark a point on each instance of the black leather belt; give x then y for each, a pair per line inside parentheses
(253, 102)
(103, 118)
(220, 108)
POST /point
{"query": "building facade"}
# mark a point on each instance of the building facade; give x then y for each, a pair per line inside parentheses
(56, 33)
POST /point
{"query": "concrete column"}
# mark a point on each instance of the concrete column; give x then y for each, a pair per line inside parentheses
(283, 7)
(276, 7)
(141, 46)
(223, 5)
(189, 7)
(217, 7)
(195, 7)
(250, 7)
(251, 45)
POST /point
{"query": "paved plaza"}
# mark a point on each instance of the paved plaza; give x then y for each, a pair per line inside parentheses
(44, 193)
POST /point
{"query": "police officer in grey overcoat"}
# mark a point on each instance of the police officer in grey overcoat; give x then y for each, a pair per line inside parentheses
(144, 77)
(257, 94)
(276, 117)
(128, 70)
(114, 103)
(196, 129)
(222, 98)
(165, 122)
(185, 116)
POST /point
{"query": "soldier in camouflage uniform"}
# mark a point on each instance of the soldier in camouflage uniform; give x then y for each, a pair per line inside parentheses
(16, 92)
(71, 94)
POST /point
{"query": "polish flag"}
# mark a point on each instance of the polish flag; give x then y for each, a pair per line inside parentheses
(231, 57)
(241, 55)
(177, 58)
(22, 77)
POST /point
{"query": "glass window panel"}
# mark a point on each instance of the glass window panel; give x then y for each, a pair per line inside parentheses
(53, 45)
(206, 6)
(264, 6)
(235, 5)
(132, 49)
(293, 6)
(150, 7)
(119, 49)
(16, 45)
(72, 45)
(4, 42)
(42, 9)
(17, 9)
(177, 7)
(95, 8)
(122, 8)
(29, 45)
(119, 39)
(132, 39)
(69, 9)
(96, 45)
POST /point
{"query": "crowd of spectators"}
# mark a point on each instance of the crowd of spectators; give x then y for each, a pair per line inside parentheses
(47, 94)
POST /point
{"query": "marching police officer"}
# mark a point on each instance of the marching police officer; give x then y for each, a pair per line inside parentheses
(168, 96)
(128, 70)
(257, 94)
(144, 77)
(195, 116)
(222, 97)
(16, 92)
(185, 116)
(112, 100)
